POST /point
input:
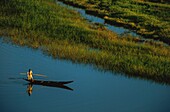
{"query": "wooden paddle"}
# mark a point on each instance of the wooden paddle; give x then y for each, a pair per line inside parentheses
(34, 74)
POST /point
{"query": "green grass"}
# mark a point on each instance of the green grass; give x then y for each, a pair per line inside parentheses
(150, 19)
(63, 34)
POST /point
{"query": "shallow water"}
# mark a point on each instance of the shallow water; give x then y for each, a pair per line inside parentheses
(94, 91)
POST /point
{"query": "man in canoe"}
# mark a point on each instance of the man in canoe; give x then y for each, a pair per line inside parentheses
(29, 75)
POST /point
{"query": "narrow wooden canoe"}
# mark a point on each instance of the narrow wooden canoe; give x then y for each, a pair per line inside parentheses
(60, 84)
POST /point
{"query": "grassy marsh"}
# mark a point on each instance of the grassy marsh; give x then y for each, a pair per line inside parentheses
(63, 34)
(147, 18)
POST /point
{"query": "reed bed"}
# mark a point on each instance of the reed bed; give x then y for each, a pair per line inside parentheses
(149, 18)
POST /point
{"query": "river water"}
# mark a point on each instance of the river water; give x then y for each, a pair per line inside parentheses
(93, 90)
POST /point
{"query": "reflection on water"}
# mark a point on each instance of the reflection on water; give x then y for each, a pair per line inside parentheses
(48, 84)
(29, 89)
(52, 84)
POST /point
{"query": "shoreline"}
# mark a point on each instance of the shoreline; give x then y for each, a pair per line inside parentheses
(56, 34)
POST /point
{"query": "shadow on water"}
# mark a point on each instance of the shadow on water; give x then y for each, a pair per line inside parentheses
(30, 87)
(53, 84)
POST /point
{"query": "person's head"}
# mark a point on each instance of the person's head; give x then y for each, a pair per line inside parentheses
(30, 70)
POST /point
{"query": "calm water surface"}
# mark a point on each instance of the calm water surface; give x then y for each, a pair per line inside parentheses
(94, 91)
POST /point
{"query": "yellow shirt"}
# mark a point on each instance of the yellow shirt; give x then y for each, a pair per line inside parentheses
(29, 75)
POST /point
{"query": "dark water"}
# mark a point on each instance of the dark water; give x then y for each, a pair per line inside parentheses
(94, 91)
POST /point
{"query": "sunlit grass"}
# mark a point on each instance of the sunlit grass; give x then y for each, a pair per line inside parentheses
(150, 19)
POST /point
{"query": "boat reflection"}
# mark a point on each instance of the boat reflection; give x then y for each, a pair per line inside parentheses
(30, 87)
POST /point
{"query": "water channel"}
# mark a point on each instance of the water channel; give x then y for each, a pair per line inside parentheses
(94, 19)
